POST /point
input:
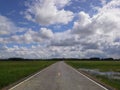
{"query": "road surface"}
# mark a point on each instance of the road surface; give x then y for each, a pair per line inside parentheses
(58, 76)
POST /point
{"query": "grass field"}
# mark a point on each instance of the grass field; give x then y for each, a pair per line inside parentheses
(11, 71)
(102, 66)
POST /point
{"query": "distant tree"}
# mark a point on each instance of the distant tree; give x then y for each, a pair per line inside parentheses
(108, 59)
(95, 59)
(16, 59)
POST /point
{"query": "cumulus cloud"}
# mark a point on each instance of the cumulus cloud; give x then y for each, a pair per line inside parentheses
(103, 28)
(46, 33)
(106, 22)
(90, 36)
(47, 12)
(8, 27)
(95, 35)
(82, 26)
(42, 36)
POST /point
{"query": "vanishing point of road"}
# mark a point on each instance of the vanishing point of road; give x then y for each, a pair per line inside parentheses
(58, 76)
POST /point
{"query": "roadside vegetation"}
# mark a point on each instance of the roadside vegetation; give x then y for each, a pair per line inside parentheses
(12, 71)
(103, 66)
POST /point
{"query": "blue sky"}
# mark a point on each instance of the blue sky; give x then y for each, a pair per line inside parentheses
(16, 7)
(47, 28)
(12, 10)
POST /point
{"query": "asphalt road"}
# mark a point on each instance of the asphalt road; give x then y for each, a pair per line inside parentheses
(58, 76)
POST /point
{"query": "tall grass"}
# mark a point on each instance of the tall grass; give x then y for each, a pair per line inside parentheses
(11, 71)
(102, 66)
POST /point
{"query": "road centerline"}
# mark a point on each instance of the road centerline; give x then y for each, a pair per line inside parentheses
(58, 76)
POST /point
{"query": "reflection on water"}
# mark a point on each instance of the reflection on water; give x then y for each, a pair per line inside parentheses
(111, 74)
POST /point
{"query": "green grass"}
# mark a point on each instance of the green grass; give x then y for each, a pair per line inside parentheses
(102, 66)
(11, 71)
(111, 82)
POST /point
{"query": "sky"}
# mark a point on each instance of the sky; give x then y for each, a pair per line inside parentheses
(60, 28)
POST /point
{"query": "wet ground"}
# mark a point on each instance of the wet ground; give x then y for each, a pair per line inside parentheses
(109, 74)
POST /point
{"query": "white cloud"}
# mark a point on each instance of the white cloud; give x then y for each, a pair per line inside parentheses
(96, 36)
(42, 36)
(82, 25)
(8, 27)
(47, 12)
(106, 22)
(46, 33)
(103, 28)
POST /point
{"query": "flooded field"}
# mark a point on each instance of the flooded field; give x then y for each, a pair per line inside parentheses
(109, 74)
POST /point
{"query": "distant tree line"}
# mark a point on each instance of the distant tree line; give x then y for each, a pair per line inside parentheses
(62, 59)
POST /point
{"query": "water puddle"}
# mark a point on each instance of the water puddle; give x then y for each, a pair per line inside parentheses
(111, 74)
